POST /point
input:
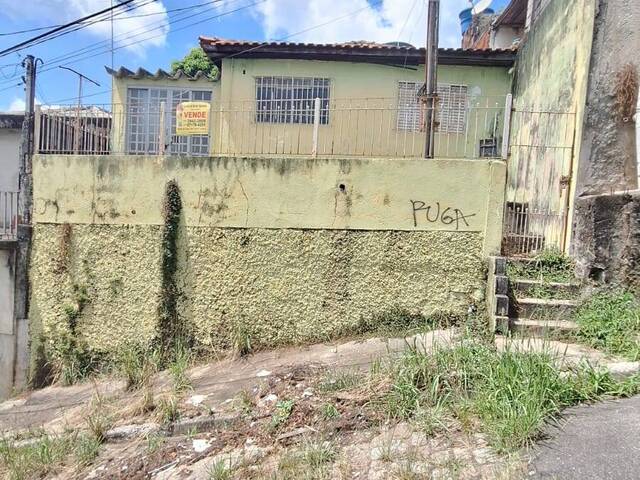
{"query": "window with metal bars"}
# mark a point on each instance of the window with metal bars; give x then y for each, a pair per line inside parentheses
(291, 99)
(451, 115)
(143, 121)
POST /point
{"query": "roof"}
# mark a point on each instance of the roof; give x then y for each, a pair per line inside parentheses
(11, 120)
(160, 74)
(515, 14)
(363, 51)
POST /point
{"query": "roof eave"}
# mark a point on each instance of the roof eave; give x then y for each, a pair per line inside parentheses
(394, 57)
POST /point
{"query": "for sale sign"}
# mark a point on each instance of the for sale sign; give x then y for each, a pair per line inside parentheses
(192, 118)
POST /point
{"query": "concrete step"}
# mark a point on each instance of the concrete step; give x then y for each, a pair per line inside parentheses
(541, 328)
(522, 286)
(543, 309)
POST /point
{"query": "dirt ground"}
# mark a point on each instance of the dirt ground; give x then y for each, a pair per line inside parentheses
(268, 415)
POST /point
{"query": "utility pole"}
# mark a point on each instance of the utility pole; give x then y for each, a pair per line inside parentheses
(24, 228)
(76, 139)
(431, 81)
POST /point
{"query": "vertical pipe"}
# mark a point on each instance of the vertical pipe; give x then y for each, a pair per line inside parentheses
(161, 133)
(316, 126)
(506, 128)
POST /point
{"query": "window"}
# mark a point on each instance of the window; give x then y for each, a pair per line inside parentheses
(291, 99)
(452, 108)
(143, 121)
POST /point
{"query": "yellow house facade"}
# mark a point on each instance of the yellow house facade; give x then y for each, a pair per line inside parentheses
(264, 100)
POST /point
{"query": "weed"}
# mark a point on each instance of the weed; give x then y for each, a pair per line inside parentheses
(154, 442)
(168, 411)
(548, 266)
(136, 364)
(399, 321)
(337, 380)
(34, 460)
(611, 321)
(98, 419)
(220, 470)
(86, 449)
(434, 419)
(508, 395)
(244, 403)
(310, 462)
(328, 411)
(241, 340)
(281, 414)
(178, 368)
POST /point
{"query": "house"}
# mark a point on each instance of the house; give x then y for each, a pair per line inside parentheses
(263, 101)
(10, 137)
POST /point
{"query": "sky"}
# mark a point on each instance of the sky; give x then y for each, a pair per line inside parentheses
(155, 33)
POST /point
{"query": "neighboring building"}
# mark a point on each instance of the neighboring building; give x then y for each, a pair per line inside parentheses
(10, 136)
(263, 101)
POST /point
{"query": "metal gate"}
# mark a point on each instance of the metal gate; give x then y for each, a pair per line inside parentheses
(539, 173)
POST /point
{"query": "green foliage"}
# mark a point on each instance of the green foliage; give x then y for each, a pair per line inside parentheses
(510, 394)
(337, 380)
(548, 266)
(611, 321)
(180, 362)
(168, 411)
(171, 331)
(312, 461)
(136, 364)
(46, 455)
(399, 321)
(281, 414)
(328, 411)
(195, 61)
(220, 470)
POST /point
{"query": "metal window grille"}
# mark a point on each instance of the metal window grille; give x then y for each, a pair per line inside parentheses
(291, 99)
(143, 121)
(452, 108)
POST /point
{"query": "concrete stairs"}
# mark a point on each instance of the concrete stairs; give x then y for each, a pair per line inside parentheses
(540, 306)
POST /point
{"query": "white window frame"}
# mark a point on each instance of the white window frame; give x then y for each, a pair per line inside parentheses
(451, 115)
(142, 126)
(290, 100)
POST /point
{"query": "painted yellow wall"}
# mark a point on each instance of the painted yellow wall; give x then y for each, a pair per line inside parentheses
(551, 76)
(364, 109)
(275, 247)
(119, 100)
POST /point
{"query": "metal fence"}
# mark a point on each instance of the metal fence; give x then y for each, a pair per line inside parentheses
(539, 174)
(373, 127)
(8, 215)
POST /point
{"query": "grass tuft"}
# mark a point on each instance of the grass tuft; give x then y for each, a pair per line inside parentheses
(610, 321)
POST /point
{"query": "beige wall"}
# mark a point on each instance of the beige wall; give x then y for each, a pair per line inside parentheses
(364, 109)
(275, 247)
(550, 92)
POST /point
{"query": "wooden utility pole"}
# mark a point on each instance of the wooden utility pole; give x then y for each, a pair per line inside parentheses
(431, 80)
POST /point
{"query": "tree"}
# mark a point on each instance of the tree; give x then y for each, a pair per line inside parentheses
(193, 62)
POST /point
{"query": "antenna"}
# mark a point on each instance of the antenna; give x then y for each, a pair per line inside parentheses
(481, 6)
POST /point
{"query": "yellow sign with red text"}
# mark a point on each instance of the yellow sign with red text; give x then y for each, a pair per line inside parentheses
(192, 118)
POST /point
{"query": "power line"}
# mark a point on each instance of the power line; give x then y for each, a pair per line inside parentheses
(142, 15)
(329, 22)
(29, 42)
(93, 53)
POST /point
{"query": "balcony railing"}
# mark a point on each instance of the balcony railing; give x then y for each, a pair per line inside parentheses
(8, 216)
(371, 127)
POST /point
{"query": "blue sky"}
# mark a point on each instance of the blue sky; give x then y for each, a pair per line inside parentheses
(151, 36)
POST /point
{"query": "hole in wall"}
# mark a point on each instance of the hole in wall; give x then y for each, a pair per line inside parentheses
(597, 274)
(342, 187)
(244, 72)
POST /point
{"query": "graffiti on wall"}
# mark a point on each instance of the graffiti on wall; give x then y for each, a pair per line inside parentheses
(436, 213)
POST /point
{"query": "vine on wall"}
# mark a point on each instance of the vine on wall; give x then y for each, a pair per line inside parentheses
(172, 333)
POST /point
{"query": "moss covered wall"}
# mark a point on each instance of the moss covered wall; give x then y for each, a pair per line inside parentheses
(308, 260)
(280, 286)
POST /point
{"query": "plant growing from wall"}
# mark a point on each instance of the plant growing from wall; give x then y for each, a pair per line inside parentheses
(171, 333)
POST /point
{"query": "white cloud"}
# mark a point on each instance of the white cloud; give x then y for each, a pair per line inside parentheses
(392, 20)
(16, 105)
(45, 12)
